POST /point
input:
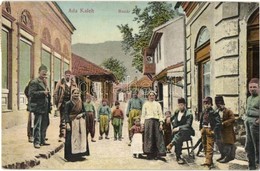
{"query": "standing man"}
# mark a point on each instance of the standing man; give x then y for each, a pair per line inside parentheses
(61, 96)
(134, 109)
(210, 130)
(182, 129)
(152, 120)
(252, 124)
(91, 117)
(39, 104)
(226, 146)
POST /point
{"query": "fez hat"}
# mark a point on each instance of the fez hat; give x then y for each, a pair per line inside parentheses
(117, 103)
(219, 100)
(181, 100)
(43, 67)
(254, 80)
(208, 99)
(67, 72)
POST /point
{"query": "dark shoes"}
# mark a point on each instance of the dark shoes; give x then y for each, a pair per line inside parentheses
(115, 139)
(45, 144)
(221, 158)
(107, 137)
(30, 139)
(100, 138)
(225, 160)
(92, 140)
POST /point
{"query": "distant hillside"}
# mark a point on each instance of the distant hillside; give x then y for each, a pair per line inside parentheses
(96, 53)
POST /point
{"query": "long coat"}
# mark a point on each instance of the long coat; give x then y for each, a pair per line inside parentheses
(227, 131)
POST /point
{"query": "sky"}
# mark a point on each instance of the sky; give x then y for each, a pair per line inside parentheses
(96, 21)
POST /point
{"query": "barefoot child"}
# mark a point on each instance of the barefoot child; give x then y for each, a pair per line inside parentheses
(136, 137)
(117, 121)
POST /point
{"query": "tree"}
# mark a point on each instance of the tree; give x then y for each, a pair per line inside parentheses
(154, 15)
(116, 67)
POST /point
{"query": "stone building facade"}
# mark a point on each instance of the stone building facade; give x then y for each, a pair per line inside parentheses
(222, 51)
(33, 33)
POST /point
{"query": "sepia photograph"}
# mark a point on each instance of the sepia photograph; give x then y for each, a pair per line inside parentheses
(130, 85)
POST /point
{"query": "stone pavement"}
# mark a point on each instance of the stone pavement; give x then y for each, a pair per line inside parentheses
(18, 153)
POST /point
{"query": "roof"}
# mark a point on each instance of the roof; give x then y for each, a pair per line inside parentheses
(83, 67)
(170, 71)
(143, 82)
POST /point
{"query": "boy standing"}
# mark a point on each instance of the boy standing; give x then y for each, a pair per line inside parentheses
(117, 121)
(210, 130)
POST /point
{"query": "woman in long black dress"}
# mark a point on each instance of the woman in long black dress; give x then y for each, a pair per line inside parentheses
(76, 144)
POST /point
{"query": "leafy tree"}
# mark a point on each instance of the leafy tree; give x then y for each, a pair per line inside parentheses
(154, 15)
(116, 67)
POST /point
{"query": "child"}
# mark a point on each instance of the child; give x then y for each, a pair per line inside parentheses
(117, 121)
(167, 129)
(104, 113)
(136, 137)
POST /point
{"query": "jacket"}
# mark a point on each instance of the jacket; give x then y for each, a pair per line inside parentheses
(39, 103)
(214, 121)
(185, 124)
(227, 131)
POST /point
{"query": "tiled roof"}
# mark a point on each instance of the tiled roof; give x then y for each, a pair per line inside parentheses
(83, 67)
(143, 82)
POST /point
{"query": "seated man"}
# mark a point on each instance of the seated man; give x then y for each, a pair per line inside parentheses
(181, 129)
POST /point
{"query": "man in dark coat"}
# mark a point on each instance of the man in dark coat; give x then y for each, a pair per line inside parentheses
(182, 129)
(210, 130)
(39, 104)
(226, 145)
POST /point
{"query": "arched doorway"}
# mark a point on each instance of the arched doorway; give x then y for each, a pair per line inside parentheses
(202, 60)
(253, 46)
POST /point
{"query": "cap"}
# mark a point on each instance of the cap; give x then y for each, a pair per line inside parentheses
(43, 67)
(181, 100)
(219, 100)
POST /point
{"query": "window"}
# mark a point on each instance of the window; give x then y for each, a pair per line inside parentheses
(65, 67)
(57, 69)
(202, 60)
(46, 60)
(4, 59)
(25, 48)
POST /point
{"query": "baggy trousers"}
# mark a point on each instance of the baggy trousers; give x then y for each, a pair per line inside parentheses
(207, 136)
(104, 125)
(91, 124)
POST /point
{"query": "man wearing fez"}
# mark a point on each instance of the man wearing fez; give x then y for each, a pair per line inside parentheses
(181, 128)
(61, 96)
(134, 109)
(252, 124)
(226, 144)
(39, 104)
(210, 130)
